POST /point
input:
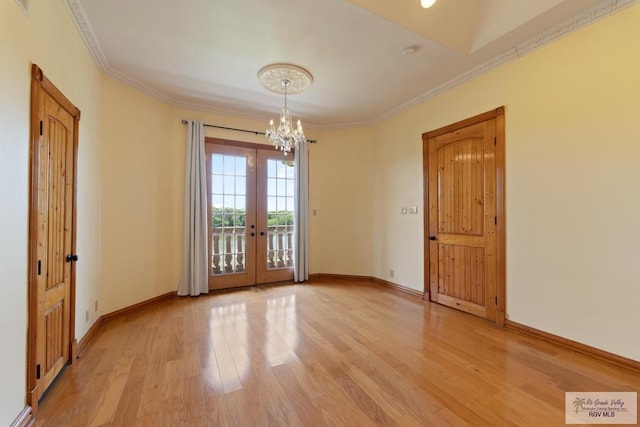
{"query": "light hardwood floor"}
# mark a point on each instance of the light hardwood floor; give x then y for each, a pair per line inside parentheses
(335, 352)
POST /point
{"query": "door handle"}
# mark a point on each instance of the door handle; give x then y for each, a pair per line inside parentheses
(70, 258)
(432, 237)
(262, 233)
(252, 234)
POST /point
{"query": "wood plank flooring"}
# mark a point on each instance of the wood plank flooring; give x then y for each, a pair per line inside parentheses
(338, 353)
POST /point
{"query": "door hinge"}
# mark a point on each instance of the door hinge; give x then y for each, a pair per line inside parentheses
(38, 371)
(495, 140)
(39, 267)
(495, 220)
(495, 299)
(41, 125)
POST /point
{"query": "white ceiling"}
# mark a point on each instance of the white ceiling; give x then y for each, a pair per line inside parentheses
(205, 54)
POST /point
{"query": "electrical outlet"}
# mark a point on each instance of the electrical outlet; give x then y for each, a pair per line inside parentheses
(391, 273)
(413, 209)
(86, 316)
(95, 306)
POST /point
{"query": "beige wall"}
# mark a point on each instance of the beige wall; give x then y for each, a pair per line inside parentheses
(573, 199)
(46, 37)
(341, 190)
(136, 160)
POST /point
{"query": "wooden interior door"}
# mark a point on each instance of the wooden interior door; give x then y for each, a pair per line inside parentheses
(251, 211)
(462, 217)
(52, 234)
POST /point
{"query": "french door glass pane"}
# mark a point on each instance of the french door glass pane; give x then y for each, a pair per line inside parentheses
(228, 214)
(280, 185)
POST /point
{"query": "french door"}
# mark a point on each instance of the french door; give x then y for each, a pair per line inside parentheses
(251, 207)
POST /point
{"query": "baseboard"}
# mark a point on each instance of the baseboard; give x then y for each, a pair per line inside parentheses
(398, 288)
(596, 353)
(88, 336)
(329, 276)
(394, 287)
(138, 306)
(84, 341)
(24, 419)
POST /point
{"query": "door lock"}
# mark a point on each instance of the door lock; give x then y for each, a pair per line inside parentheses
(70, 258)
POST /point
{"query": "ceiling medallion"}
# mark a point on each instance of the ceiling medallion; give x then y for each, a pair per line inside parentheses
(271, 78)
(285, 79)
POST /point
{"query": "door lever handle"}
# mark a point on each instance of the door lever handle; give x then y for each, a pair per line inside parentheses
(70, 258)
(432, 237)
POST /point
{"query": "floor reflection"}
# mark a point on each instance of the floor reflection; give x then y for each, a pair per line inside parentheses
(263, 333)
(282, 333)
(227, 358)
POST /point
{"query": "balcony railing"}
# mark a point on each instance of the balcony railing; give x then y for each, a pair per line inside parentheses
(228, 249)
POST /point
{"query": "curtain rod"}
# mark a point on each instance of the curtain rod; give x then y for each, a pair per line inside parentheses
(184, 122)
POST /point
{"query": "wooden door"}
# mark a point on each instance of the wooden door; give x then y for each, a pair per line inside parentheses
(52, 234)
(275, 216)
(232, 209)
(463, 216)
(251, 211)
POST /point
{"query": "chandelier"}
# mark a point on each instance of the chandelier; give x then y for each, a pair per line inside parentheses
(285, 78)
(284, 137)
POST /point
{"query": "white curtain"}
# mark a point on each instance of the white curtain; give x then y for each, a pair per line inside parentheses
(301, 219)
(195, 273)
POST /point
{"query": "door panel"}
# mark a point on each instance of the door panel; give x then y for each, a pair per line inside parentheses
(461, 201)
(461, 281)
(58, 140)
(232, 180)
(275, 216)
(462, 218)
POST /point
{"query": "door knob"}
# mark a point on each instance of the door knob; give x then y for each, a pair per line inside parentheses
(252, 234)
(70, 258)
(262, 233)
(432, 237)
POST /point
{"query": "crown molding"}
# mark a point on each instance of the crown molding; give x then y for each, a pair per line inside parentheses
(138, 85)
(86, 32)
(587, 18)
